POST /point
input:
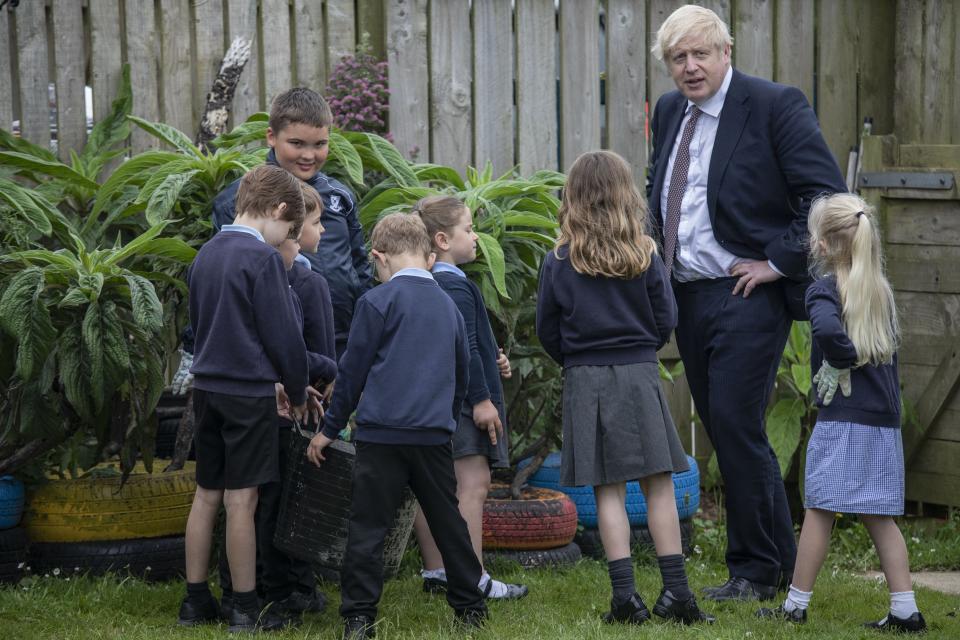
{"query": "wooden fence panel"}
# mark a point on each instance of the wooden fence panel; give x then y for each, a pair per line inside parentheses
(956, 82)
(795, 43)
(311, 48)
(70, 59)
(837, 77)
(243, 23)
(659, 78)
(753, 31)
(450, 84)
(493, 86)
(176, 77)
(938, 72)
(33, 72)
(877, 21)
(341, 30)
(208, 30)
(277, 57)
(371, 19)
(409, 90)
(908, 71)
(6, 73)
(627, 83)
(579, 80)
(105, 55)
(537, 124)
(142, 56)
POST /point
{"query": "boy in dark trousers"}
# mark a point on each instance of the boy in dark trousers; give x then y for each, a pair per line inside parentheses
(405, 329)
(247, 340)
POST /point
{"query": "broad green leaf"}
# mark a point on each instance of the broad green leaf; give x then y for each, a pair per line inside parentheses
(92, 332)
(378, 154)
(147, 310)
(51, 168)
(74, 297)
(439, 173)
(529, 220)
(171, 135)
(91, 284)
(801, 377)
(10, 142)
(60, 258)
(254, 129)
(664, 372)
(76, 384)
(137, 245)
(135, 170)
(21, 202)
(370, 212)
(26, 317)
(116, 353)
(113, 129)
(493, 253)
(164, 198)
(784, 429)
(161, 173)
(173, 248)
(343, 152)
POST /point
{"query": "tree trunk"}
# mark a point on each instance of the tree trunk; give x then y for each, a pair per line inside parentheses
(220, 99)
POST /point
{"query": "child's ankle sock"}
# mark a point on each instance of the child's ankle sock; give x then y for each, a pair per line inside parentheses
(674, 576)
(621, 579)
(246, 601)
(903, 604)
(497, 588)
(199, 592)
(434, 574)
(797, 599)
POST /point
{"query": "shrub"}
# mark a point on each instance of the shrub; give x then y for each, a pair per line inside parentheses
(358, 93)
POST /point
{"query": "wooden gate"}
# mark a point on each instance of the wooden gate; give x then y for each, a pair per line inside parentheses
(914, 187)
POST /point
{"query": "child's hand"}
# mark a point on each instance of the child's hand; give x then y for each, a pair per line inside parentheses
(316, 447)
(828, 378)
(314, 405)
(283, 402)
(503, 364)
(487, 418)
(299, 413)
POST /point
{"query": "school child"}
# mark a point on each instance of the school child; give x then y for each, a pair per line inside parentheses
(855, 455)
(287, 585)
(409, 357)
(480, 441)
(247, 340)
(604, 308)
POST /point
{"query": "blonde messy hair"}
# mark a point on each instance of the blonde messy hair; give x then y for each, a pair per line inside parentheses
(603, 218)
(844, 240)
(399, 233)
(690, 20)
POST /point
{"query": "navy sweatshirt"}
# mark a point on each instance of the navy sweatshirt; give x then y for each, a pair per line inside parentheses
(875, 390)
(484, 383)
(247, 332)
(313, 296)
(342, 257)
(408, 355)
(583, 320)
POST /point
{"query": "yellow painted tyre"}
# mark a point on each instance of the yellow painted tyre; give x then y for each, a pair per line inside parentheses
(97, 508)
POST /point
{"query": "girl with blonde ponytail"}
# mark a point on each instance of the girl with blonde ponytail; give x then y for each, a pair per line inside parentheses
(855, 455)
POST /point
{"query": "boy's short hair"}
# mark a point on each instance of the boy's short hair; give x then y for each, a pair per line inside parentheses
(299, 106)
(265, 188)
(401, 233)
(311, 199)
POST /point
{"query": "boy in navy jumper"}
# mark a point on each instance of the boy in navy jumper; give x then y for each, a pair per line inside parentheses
(247, 340)
(406, 329)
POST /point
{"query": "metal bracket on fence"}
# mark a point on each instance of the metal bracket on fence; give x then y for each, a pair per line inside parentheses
(907, 180)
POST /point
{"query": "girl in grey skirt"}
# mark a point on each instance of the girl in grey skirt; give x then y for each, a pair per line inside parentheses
(855, 455)
(604, 308)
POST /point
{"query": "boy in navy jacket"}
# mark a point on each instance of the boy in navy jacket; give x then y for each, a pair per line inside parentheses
(247, 340)
(405, 329)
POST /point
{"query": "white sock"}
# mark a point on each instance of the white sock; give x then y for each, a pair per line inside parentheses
(436, 574)
(797, 599)
(497, 588)
(903, 604)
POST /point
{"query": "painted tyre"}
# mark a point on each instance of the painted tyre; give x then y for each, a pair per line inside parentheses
(686, 488)
(592, 547)
(148, 505)
(564, 556)
(541, 519)
(13, 554)
(152, 559)
(11, 502)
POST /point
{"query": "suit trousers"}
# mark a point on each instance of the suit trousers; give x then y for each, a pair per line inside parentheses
(380, 474)
(731, 348)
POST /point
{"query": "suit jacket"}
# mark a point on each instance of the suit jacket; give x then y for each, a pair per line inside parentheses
(769, 162)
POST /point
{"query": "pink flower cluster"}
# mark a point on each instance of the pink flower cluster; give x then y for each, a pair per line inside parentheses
(358, 94)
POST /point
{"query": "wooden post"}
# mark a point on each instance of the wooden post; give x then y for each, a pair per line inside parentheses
(537, 122)
(142, 56)
(837, 77)
(451, 77)
(176, 77)
(31, 24)
(311, 51)
(409, 92)
(208, 36)
(70, 58)
(277, 57)
(579, 80)
(753, 35)
(6, 72)
(341, 31)
(242, 23)
(493, 88)
(627, 83)
(794, 38)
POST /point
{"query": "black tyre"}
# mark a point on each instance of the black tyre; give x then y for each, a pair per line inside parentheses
(13, 554)
(535, 558)
(592, 547)
(153, 559)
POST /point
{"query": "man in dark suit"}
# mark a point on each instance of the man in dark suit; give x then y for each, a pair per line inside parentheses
(736, 162)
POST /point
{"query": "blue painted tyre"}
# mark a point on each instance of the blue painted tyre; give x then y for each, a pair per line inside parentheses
(686, 487)
(11, 502)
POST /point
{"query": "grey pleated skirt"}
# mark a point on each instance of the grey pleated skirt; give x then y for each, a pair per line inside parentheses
(616, 426)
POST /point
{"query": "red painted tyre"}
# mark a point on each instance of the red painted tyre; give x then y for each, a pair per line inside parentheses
(541, 519)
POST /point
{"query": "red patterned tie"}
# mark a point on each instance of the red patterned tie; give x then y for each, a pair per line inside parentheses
(678, 185)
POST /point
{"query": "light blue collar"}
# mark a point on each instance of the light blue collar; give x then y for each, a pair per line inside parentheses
(446, 267)
(242, 228)
(302, 259)
(413, 271)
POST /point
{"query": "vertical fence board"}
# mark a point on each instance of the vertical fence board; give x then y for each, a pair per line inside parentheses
(341, 31)
(908, 71)
(837, 77)
(277, 68)
(875, 91)
(627, 82)
(142, 58)
(658, 77)
(105, 56)
(311, 51)
(409, 91)
(753, 31)
(579, 79)
(176, 78)
(537, 123)
(242, 16)
(450, 84)
(938, 72)
(371, 19)
(69, 57)
(795, 45)
(6, 72)
(33, 72)
(493, 86)
(208, 34)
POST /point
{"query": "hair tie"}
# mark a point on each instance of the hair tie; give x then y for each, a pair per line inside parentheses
(859, 213)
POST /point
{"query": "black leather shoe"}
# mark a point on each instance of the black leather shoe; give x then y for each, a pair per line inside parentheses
(740, 589)
(797, 616)
(914, 624)
(304, 602)
(630, 611)
(193, 613)
(434, 585)
(226, 606)
(471, 618)
(686, 611)
(358, 628)
(240, 621)
(278, 619)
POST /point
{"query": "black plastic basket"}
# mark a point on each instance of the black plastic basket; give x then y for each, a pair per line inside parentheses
(315, 510)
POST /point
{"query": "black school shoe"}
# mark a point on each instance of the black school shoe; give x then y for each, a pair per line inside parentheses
(194, 613)
(630, 611)
(304, 602)
(471, 618)
(740, 589)
(358, 628)
(797, 616)
(669, 607)
(914, 624)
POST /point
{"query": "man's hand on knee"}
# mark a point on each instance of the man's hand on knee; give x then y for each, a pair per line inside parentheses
(751, 274)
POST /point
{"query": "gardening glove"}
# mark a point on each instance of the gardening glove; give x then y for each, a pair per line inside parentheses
(828, 378)
(183, 379)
